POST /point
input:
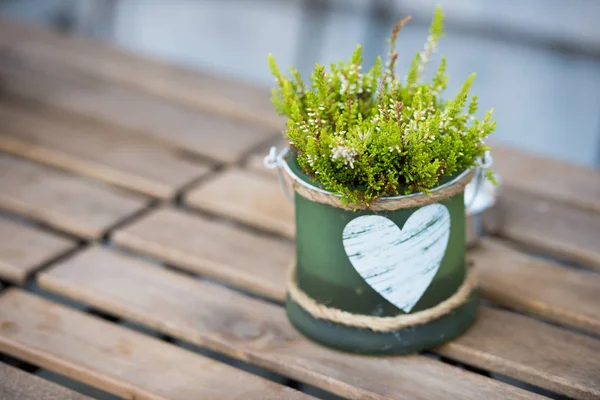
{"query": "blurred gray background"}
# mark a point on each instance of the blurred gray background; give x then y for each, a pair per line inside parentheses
(537, 61)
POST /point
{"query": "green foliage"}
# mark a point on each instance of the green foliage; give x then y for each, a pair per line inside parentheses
(368, 135)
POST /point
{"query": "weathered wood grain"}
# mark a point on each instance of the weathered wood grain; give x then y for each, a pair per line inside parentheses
(116, 359)
(530, 351)
(550, 227)
(244, 259)
(521, 282)
(254, 331)
(19, 385)
(64, 201)
(399, 264)
(24, 248)
(247, 197)
(231, 99)
(153, 118)
(548, 179)
(125, 159)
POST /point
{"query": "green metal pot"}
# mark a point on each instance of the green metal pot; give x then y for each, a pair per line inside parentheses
(325, 273)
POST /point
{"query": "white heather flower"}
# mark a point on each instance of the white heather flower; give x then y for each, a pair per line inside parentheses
(310, 160)
(346, 153)
(428, 49)
(343, 87)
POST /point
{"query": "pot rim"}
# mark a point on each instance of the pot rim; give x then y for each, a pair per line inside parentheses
(282, 163)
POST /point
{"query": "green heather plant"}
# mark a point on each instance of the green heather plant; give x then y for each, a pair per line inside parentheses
(368, 135)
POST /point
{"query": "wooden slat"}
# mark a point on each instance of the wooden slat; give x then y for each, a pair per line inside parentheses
(115, 359)
(62, 200)
(531, 351)
(560, 294)
(232, 99)
(19, 385)
(126, 160)
(254, 331)
(208, 135)
(24, 248)
(248, 197)
(243, 259)
(551, 228)
(549, 179)
(550, 206)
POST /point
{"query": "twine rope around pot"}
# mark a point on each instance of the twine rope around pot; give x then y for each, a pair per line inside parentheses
(318, 195)
(380, 324)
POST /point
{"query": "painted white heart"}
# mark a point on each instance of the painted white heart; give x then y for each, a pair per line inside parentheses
(399, 264)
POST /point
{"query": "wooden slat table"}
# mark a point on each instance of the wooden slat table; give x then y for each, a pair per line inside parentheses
(135, 189)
